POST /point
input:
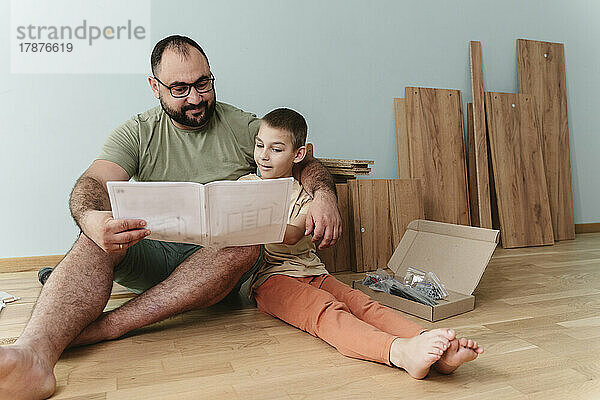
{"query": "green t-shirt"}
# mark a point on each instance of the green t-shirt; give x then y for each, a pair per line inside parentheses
(150, 148)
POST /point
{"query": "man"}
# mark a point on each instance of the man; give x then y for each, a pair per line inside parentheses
(191, 137)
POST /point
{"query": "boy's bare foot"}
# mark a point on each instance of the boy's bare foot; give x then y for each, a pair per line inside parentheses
(24, 375)
(460, 351)
(417, 354)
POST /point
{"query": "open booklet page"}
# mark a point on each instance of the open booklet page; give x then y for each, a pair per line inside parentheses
(238, 213)
(248, 212)
(172, 210)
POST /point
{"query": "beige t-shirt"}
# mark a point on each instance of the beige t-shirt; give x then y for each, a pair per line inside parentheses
(298, 260)
(150, 148)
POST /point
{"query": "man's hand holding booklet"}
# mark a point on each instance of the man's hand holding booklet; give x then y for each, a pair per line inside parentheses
(223, 213)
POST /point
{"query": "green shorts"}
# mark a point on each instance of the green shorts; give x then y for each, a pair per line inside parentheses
(150, 262)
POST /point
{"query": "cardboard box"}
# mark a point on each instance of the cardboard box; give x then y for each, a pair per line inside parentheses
(457, 254)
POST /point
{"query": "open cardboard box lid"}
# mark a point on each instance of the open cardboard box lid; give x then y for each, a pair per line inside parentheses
(457, 254)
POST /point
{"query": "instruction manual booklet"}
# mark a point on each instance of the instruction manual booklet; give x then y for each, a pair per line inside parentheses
(222, 213)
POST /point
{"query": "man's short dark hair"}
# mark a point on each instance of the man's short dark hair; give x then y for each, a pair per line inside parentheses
(290, 121)
(179, 44)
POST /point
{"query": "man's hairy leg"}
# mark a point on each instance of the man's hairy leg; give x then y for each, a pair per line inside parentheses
(202, 280)
(73, 297)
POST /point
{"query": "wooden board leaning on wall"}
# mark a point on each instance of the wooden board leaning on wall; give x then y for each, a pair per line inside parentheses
(480, 185)
(519, 178)
(434, 125)
(541, 67)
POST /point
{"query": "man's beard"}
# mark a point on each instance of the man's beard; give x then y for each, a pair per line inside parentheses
(181, 117)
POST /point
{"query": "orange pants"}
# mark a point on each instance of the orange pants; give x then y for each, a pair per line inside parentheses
(345, 318)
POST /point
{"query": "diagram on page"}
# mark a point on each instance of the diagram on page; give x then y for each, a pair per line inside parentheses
(264, 213)
(172, 211)
(226, 213)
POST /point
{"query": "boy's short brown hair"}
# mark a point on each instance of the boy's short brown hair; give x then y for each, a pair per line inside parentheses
(290, 121)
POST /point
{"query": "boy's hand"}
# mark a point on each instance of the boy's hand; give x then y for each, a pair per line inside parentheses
(323, 220)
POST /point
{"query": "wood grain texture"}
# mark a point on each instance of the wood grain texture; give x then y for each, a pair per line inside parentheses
(437, 152)
(309, 149)
(401, 139)
(355, 208)
(405, 204)
(536, 316)
(341, 256)
(385, 208)
(521, 192)
(483, 211)
(541, 67)
(17, 264)
(472, 169)
(368, 223)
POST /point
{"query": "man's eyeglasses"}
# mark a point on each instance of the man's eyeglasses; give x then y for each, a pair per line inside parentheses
(202, 85)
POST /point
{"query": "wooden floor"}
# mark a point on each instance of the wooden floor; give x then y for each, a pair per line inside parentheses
(537, 315)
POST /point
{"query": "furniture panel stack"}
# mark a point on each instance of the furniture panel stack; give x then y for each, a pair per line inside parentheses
(518, 175)
(374, 213)
(515, 176)
(344, 170)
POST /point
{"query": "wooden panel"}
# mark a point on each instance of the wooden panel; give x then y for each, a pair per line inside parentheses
(340, 257)
(401, 139)
(368, 223)
(521, 191)
(355, 208)
(437, 152)
(483, 211)
(472, 170)
(542, 74)
(385, 208)
(405, 204)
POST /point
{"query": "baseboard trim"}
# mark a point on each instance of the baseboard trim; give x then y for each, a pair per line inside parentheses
(20, 264)
(587, 228)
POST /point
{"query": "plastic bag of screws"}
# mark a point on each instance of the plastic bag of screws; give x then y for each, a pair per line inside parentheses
(381, 281)
(425, 282)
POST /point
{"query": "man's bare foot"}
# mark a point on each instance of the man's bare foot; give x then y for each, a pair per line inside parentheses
(460, 351)
(24, 375)
(417, 354)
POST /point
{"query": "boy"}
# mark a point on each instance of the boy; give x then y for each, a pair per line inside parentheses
(294, 286)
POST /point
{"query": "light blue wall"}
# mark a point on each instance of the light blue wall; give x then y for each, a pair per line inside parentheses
(339, 62)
